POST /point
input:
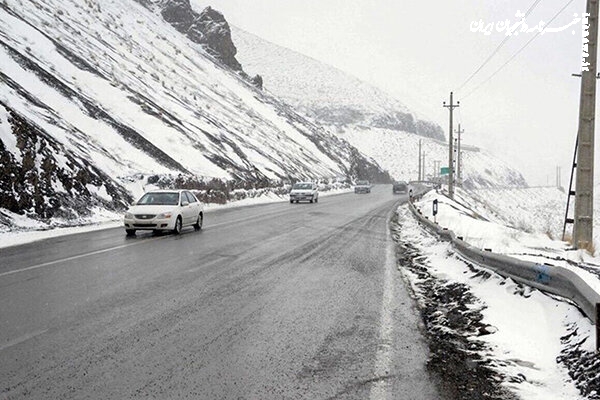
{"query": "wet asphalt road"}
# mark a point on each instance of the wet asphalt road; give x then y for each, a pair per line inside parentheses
(279, 301)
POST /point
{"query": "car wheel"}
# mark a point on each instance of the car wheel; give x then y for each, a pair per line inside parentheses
(311, 201)
(297, 201)
(130, 232)
(317, 200)
(199, 221)
(291, 201)
(178, 226)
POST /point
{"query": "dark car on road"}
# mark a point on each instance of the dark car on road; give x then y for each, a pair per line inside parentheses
(400, 187)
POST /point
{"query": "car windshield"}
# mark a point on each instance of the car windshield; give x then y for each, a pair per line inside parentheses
(362, 183)
(162, 198)
(302, 186)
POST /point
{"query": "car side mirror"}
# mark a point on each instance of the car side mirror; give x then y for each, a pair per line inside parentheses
(185, 203)
(134, 203)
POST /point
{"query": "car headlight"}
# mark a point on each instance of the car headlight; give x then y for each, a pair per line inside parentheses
(128, 215)
(166, 215)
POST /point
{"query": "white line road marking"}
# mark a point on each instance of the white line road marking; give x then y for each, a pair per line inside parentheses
(46, 264)
(248, 218)
(383, 360)
(49, 263)
(22, 339)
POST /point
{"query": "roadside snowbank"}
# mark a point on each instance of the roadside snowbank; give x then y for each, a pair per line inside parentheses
(509, 328)
(484, 229)
(541, 346)
(27, 230)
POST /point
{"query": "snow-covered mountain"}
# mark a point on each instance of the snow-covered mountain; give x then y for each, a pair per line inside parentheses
(98, 94)
(371, 120)
(398, 151)
(325, 93)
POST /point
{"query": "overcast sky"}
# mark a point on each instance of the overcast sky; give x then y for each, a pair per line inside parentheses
(419, 51)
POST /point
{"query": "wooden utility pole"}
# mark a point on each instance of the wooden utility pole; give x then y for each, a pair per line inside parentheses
(584, 183)
(459, 159)
(451, 107)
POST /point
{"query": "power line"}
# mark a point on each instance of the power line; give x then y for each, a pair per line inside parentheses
(506, 38)
(518, 51)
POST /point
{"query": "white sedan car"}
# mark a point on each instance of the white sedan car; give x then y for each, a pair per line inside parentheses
(164, 210)
(304, 191)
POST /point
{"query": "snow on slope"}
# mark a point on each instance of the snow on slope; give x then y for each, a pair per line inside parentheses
(398, 153)
(541, 347)
(570, 333)
(536, 210)
(479, 227)
(323, 92)
(375, 123)
(114, 86)
(138, 55)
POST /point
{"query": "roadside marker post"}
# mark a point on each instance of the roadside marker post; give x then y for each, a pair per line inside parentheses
(435, 210)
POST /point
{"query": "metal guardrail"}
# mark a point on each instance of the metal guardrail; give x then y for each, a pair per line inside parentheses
(548, 278)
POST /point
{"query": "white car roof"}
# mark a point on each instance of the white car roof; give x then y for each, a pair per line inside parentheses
(167, 191)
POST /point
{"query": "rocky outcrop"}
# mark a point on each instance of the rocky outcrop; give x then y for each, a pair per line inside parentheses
(209, 29)
(395, 121)
(361, 168)
(429, 129)
(406, 122)
(257, 81)
(212, 31)
(179, 14)
(43, 181)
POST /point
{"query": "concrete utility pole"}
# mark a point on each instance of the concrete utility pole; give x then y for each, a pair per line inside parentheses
(459, 159)
(451, 107)
(584, 186)
(423, 167)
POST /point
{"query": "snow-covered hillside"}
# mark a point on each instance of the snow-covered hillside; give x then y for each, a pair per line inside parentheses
(533, 210)
(377, 124)
(398, 153)
(97, 94)
(323, 92)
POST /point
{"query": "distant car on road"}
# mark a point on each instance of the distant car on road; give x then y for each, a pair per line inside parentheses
(400, 187)
(304, 191)
(164, 210)
(362, 187)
